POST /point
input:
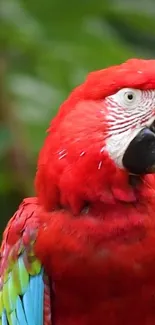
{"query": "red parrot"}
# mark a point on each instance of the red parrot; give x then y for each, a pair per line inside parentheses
(82, 252)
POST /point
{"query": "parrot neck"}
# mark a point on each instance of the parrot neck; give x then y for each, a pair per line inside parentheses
(128, 192)
(130, 189)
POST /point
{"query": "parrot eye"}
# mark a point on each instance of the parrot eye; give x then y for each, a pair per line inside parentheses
(127, 97)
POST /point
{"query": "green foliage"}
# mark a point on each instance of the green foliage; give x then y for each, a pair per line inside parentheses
(48, 47)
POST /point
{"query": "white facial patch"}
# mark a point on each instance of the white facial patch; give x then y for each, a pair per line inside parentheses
(130, 110)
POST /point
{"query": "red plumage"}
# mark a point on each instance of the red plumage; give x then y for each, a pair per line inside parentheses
(101, 260)
(102, 264)
(96, 233)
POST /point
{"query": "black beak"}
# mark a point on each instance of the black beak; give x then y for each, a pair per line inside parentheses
(139, 157)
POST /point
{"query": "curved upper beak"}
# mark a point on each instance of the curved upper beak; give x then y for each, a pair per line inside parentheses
(139, 157)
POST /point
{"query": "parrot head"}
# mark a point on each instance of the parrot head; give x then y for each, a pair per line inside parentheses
(102, 139)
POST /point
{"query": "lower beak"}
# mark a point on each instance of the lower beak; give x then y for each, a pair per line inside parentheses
(139, 157)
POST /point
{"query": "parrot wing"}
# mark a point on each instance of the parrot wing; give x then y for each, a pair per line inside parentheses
(24, 289)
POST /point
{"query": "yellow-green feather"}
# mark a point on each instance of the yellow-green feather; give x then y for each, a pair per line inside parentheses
(1, 303)
(15, 283)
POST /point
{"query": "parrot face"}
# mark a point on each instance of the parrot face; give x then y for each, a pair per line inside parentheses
(131, 138)
(103, 133)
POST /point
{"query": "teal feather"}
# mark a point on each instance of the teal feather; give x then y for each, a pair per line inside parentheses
(20, 312)
(4, 319)
(36, 289)
(27, 304)
(40, 294)
(30, 308)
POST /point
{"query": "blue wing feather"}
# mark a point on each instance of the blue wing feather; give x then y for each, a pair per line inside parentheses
(30, 307)
(20, 312)
(36, 289)
(4, 319)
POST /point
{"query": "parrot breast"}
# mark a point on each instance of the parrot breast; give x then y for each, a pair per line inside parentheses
(102, 263)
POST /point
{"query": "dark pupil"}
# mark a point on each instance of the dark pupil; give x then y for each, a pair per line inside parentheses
(130, 96)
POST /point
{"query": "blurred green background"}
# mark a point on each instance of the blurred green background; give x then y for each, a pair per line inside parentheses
(47, 48)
